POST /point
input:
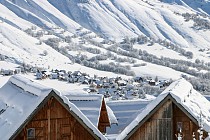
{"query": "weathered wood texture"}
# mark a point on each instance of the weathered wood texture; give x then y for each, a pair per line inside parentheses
(158, 127)
(187, 126)
(54, 122)
(162, 125)
(103, 119)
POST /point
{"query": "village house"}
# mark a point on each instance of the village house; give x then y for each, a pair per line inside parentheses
(7, 72)
(92, 88)
(42, 74)
(54, 75)
(17, 71)
(179, 112)
(29, 110)
(138, 79)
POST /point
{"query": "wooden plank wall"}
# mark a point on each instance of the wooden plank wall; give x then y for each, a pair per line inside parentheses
(54, 122)
(158, 127)
(188, 126)
(163, 125)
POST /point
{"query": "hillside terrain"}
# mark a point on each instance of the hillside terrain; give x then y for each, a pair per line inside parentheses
(167, 39)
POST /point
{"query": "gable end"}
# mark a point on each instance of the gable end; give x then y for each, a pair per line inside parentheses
(42, 104)
(168, 97)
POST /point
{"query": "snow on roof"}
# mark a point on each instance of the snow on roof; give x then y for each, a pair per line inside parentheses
(125, 111)
(184, 94)
(29, 85)
(84, 118)
(88, 104)
(112, 117)
(19, 97)
(122, 81)
(84, 97)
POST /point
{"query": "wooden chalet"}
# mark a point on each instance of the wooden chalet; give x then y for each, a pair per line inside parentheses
(179, 110)
(31, 111)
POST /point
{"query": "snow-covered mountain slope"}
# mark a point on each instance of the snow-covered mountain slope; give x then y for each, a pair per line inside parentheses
(173, 21)
(21, 48)
(198, 5)
(119, 18)
(40, 13)
(116, 19)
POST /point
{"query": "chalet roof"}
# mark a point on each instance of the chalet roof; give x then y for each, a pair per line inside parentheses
(125, 111)
(182, 94)
(20, 97)
(90, 106)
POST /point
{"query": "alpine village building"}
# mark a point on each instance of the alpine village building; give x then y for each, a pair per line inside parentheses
(29, 110)
(179, 113)
(32, 111)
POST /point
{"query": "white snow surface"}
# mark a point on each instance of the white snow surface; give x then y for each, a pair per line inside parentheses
(114, 19)
(118, 18)
(83, 117)
(90, 105)
(112, 117)
(19, 97)
(125, 111)
(184, 94)
(8, 65)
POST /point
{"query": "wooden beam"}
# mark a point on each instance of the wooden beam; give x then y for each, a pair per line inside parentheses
(48, 122)
(104, 124)
(25, 133)
(56, 129)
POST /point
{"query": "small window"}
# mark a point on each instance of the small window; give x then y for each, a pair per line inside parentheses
(179, 126)
(30, 133)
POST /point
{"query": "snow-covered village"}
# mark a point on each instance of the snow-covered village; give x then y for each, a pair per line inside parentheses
(104, 70)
